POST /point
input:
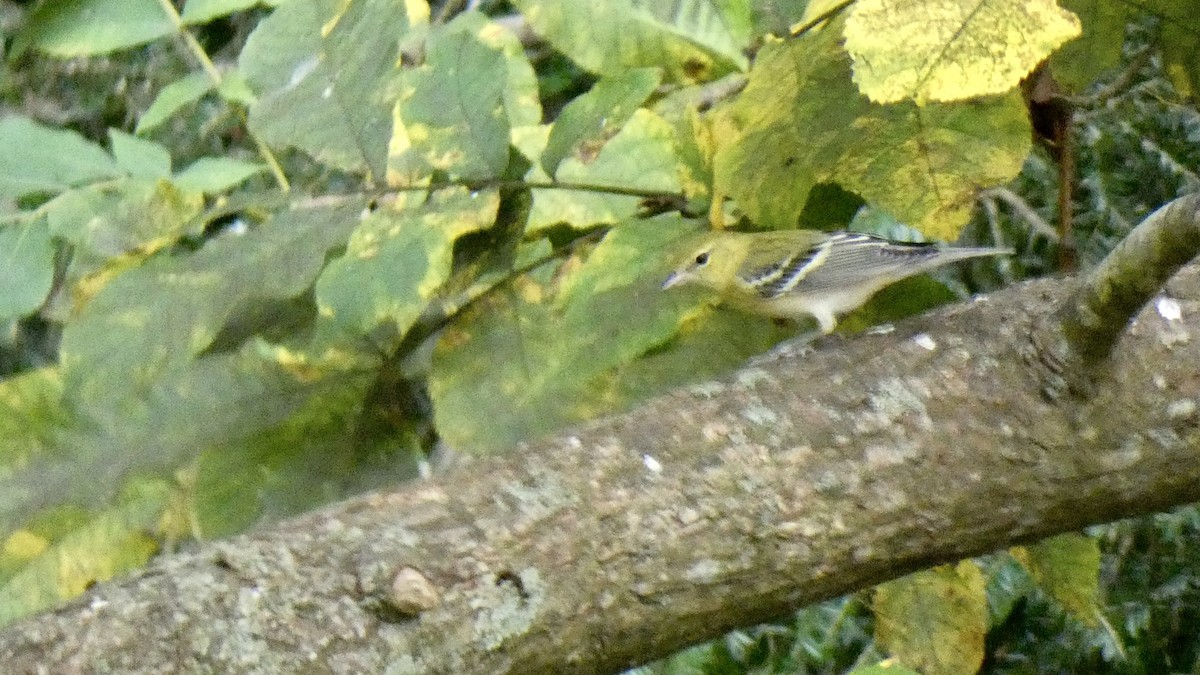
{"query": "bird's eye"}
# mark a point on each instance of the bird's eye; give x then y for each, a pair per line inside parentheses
(702, 258)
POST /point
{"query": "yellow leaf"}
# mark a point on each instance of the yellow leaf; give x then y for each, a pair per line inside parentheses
(935, 620)
(951, 50)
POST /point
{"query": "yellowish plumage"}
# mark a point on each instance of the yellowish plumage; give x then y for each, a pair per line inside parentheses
(798, 273)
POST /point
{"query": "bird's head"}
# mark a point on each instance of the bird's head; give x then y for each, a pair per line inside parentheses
(713, 262)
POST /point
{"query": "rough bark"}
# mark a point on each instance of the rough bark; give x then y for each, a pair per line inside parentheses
(725, 504)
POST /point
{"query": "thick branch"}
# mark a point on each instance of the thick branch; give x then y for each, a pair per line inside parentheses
(722, 505)
(1096, 316)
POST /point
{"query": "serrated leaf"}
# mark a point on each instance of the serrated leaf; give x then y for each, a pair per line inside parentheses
(951, 50)
(692, 40)
(451, 115)
(591, 119)
(184, 91)
(215, 174)
(37, 158)
(139, 157)
(332, 103)
(921, 164)
(934, 620)
(26, 266)
(116, 218)
(1067, 567)
(641, 157)
(203, 11)
(397, 260)
(110, 542)
(538, 354)
(92, 27)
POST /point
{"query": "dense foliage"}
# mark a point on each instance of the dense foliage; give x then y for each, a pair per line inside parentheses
(257, 256)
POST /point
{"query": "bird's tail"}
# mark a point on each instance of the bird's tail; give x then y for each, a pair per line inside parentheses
(949, 255)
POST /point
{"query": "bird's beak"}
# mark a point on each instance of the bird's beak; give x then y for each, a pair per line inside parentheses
(674, 279)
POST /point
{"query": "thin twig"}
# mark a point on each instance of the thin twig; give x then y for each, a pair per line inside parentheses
(828, 14)
(214, 75)
(1023, 210)
(1114, 88)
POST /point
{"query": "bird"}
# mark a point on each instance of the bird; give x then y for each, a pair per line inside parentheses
(793, 274)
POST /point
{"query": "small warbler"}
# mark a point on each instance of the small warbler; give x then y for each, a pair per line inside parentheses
(796, 273)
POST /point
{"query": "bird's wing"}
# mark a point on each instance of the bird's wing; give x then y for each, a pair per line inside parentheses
(778, 258)
(847, 260)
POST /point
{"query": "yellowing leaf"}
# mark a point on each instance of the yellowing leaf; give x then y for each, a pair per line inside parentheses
(1067, 567)
(641, 156)
(320, 91)
(923, 165)
(538, 354)
(397, 259)
(24, 544)
(597, 115)
(99, 547)
(451, 115)
(934, 620)
(950, 50)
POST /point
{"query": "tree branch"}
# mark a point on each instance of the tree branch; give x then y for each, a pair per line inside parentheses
(1084, 333)
(722, 505)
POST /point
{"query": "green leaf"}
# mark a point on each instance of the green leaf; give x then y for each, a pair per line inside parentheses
(1008, 584)
(1067, 567)
(37, 158)
(140, 158)
(117, 218)
(203, 11)
(186, 90)
(287, 468)
(235, 89)
(451, 114)
(953, 50)
(398, 258)
(160, 365)
(31, 414)
(691, 40)
(1180, 45)
(92, 27)
(108, 543)
(885, 668)
(1078, 63)
(157, 318)
(587, 122)
(923, 165)
(640, 157)
(286, 45)
(26, 266)
(934, 620)
(330, 103)
(521, 103)
(216, 174)
(548, 350)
